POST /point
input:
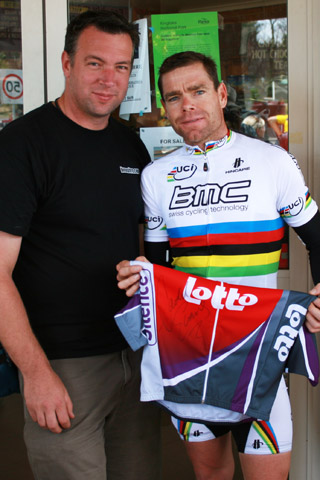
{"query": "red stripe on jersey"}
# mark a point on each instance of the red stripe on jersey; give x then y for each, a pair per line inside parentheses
(228, 239)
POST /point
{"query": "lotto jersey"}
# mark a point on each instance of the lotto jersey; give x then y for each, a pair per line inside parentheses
(223, 210)
(216, 351)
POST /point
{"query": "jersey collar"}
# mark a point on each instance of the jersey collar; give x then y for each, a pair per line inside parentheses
(212, 145)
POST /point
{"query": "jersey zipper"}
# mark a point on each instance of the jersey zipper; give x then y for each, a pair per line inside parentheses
(205, 163)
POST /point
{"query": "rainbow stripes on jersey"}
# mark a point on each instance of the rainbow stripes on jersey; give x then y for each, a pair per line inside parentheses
(197, 151)
(233, 249)
(170, 176)
(211, 145)
(286, 212)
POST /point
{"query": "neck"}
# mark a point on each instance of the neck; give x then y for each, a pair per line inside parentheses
(78, 116)
(214, 139)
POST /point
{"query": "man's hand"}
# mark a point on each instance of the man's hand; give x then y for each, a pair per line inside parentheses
(48, 401)
(129, 276)
(313, 314)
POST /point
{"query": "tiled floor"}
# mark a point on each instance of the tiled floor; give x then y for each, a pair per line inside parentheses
(14, 463)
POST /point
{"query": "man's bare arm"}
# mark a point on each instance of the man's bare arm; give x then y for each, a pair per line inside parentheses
(46, 397)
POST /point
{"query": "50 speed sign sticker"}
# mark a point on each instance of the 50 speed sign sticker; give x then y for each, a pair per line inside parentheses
(11, 86)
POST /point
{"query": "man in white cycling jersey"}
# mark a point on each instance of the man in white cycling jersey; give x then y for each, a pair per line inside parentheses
(217, 205)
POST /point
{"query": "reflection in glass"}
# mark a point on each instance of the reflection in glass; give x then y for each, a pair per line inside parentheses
(256, 73)
(11, 83)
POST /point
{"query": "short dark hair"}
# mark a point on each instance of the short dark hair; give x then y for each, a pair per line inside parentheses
(183, 59)
(106, 21)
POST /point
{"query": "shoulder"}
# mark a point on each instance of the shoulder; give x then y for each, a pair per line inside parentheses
(239, 139)
(163, 165)
(44, 111)
(264, 151)
(38, 119)
(128, 139)
(23, 137)
(124, 131)
(166, 160)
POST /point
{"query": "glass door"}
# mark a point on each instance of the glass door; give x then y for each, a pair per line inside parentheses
(11, 78)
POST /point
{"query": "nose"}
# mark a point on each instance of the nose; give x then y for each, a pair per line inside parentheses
(187, 103)
(107, 76)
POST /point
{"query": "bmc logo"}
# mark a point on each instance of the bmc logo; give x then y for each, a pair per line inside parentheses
(221, 297)
(289, 332)
(209, 194)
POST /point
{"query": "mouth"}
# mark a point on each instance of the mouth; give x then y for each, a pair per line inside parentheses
(190, 121)
(104, 97)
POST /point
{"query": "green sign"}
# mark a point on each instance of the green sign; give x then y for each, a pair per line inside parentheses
(178, 32)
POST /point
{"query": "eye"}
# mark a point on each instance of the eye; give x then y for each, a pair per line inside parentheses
(200, 92)
(123, 68)
(172, 99)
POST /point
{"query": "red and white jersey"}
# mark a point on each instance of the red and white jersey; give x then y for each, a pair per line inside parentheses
(217, 347)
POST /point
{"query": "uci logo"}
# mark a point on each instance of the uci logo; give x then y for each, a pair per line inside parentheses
(181, 172)
(232, 299)
(289, 332)
(296, 207)
(153, 222)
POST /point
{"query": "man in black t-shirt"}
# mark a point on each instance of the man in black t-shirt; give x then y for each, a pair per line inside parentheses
(70, 208)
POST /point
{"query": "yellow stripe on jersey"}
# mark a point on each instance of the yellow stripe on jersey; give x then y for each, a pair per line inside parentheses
(227, 260)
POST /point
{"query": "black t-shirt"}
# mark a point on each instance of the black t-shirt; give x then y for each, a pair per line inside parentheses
(74, 196)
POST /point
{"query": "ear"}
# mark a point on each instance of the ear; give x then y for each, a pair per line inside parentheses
(222, 94)
(66, 64)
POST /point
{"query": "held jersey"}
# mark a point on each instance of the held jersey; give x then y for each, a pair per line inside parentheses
(216, 351)
(223, 210)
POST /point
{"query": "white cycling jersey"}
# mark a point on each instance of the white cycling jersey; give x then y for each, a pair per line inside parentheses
(223, 210)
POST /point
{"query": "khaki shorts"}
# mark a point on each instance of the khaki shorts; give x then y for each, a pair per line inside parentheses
(113, 435)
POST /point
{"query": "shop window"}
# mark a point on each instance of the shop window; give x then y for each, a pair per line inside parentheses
(255, 69)
(11, 82)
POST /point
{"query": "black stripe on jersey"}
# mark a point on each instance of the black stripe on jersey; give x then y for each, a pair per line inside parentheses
(250, 249)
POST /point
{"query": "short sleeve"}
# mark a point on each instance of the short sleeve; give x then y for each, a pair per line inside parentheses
(295, 204)
(18, 192)
(155, 228)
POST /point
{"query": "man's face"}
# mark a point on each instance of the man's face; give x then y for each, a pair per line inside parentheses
(96, 77)
(193, 106)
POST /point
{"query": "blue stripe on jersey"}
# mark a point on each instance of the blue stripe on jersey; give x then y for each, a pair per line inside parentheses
(227, 227)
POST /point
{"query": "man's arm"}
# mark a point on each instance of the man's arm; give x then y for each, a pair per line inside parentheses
(47, 399)
(310, 235)
(158, 252)
(129, 275)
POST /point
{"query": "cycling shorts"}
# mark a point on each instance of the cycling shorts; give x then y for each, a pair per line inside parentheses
(256, 437)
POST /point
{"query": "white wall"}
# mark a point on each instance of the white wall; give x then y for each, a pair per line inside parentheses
(41, 56)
